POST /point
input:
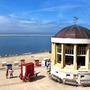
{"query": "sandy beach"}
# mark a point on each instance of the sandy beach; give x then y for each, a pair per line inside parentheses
(42, 81)
(28, 58)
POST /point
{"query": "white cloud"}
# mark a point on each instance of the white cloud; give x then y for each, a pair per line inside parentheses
(27, 21)
(13, 24)
(3, 19)
(60, 8)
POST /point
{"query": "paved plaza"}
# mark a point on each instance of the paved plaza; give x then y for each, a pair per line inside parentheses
(41, 83)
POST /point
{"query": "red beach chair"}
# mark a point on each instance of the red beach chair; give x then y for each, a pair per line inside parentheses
(36, 63)
(27, 72)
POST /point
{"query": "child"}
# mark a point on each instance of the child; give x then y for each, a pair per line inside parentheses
(47, 64)
(11, 73)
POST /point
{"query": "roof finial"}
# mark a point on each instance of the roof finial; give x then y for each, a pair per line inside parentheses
(75, 20)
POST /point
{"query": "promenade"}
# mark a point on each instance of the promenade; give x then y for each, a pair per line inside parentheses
(41, 83)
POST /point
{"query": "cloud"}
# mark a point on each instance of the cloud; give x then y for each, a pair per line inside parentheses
(27, 21)
(3, 19)
(61, 11)
(49, 19)
(12, 24)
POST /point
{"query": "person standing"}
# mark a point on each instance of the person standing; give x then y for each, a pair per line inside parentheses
(47, 64)
(7, 73)
(11, 73)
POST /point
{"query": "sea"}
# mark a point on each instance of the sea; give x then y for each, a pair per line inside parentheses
(11, 45)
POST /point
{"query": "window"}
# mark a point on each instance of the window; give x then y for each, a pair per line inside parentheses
(58, 58)
(69, 49)
(58, 48)
(69, 60)
(81, 49)
(81, 60)
(58, 51)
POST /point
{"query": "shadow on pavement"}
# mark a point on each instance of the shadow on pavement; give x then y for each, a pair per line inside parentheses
(40, 77)
(15, 77)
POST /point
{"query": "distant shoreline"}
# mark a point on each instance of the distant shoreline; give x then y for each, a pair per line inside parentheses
(28, 53)
(26, 34)
(26, 57)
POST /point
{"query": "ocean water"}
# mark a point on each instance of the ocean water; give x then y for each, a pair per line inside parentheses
(15, 45)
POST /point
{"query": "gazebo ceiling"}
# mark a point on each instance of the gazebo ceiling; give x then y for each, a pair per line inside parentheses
(74, 31)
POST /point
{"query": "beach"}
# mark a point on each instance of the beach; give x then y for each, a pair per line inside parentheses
(28, 58)
(42, 81)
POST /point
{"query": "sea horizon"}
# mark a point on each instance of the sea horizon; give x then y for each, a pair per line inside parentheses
(32, 34)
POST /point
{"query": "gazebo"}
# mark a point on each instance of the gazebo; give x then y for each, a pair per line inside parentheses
(71, 54)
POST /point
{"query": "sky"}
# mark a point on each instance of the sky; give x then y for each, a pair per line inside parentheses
(42, 16)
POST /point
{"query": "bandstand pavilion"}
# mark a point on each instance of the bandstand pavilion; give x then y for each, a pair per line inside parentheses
(71, 48)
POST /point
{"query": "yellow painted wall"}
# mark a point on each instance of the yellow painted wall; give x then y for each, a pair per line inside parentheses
(53, 53)
(63, 56)
(75, 57)
(88, 57)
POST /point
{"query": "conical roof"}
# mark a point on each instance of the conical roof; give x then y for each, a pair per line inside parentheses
(73, 31)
